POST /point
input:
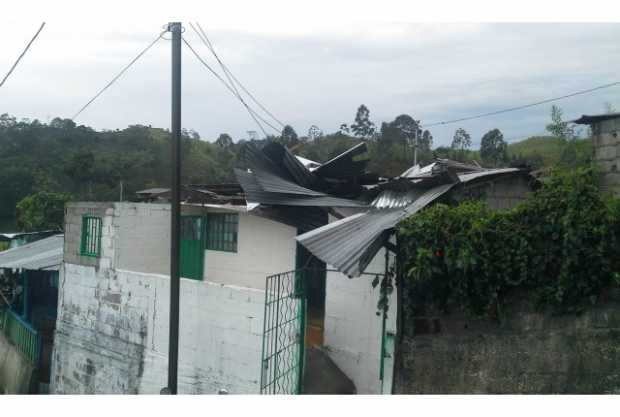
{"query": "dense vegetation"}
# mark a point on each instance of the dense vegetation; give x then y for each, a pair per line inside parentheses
(61, 161)
(560, 246)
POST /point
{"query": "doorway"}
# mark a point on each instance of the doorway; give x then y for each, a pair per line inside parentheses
(315, 273)
(193, 245)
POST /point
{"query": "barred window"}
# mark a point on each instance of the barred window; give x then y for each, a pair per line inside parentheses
(222, 231)
(90, 244)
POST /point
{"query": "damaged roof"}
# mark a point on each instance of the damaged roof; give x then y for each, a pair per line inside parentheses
(45, 254)
(350, 244)
(274, 176)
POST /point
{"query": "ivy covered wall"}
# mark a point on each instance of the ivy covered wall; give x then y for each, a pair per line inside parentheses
(519, 300)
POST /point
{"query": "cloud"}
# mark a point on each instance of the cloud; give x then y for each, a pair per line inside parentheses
(319, 73)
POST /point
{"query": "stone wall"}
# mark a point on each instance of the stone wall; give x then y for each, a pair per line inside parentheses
(530, 353)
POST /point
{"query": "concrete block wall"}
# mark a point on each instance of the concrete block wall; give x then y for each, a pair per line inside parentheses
(530, 352)
(112, 326)
(112, 334)
(136, 237)
(73, 232)
(502, 193)
(353, 330)
(606, 143)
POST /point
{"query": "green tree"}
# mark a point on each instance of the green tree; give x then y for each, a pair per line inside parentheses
(363, 127)
(493, 148)
(224, 141)
(42, 211)
(558, 127)
(314, 133)
(460, 143)
(288, 137)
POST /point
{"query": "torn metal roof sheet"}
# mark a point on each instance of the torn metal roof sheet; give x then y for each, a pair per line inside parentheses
(351, 243)
(45, 254)
(308, 163)
(350, 163)
(274, 176)
(254, 193)
(470, 176)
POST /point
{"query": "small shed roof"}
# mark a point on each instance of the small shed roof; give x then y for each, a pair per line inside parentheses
(45, 254)
(589, 119)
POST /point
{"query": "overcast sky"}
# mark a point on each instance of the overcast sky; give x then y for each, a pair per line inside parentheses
(316, 74)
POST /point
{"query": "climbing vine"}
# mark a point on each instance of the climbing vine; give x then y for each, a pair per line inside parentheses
(560, 245)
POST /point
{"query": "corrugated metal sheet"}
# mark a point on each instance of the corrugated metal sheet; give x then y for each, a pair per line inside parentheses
(45, 254)
(271, 177)
(256, 194)
(396, 199)
(475, 175)
(350, 244)
(350, 163)
(281, 156)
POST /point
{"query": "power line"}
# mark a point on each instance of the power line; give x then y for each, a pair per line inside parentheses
(22, 55)
(252, 113)
(493, 113)
(231, 75)
(118, 75)
(231, 87)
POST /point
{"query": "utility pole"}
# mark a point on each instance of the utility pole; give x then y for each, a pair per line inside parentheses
(175, 226)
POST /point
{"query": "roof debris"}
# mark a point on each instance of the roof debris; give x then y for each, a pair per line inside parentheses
(299, 192)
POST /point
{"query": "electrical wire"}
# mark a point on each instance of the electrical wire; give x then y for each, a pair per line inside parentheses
(133, 61)
(231, 75)
(22, 54)
(493, 113)
(232, 88)
(252, 113)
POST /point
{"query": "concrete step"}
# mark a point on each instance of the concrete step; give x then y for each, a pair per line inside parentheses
(322, 376)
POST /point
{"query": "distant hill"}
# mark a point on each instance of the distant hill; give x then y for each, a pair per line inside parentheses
(549, 150)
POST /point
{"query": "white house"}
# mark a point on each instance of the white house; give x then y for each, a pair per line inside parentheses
(112, 328)
(285, 261)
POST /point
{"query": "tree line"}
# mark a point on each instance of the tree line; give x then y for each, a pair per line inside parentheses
(45, 164)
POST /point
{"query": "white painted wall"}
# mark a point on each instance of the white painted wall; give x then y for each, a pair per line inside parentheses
(112, 326)
(141, 242)
(353, 330)
(112, 334)
(264, 248)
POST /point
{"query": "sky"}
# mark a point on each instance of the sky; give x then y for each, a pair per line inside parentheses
(308, 73)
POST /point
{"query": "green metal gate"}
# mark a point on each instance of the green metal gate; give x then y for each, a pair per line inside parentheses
(284, 325)
(193, 244)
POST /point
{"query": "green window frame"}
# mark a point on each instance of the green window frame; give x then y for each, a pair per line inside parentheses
(90, 244)
(222, 231)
